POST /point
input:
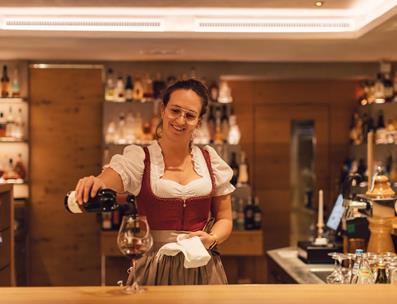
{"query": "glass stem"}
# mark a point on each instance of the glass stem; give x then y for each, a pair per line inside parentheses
(131, 275)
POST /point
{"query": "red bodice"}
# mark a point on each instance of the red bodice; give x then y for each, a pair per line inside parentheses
(174, 213)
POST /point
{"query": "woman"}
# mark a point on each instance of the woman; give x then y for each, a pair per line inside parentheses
(177, 186)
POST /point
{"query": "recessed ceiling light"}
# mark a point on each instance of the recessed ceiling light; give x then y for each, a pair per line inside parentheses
(319, 3)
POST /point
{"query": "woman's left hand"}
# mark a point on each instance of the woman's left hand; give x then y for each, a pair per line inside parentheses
(205, 238)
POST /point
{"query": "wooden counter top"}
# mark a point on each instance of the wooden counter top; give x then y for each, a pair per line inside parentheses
(252, 294)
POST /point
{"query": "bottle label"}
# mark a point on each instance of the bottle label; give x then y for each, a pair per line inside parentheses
(72, 204)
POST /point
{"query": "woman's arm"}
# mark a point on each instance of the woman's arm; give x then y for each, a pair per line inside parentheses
(222, 211)
(89, 186)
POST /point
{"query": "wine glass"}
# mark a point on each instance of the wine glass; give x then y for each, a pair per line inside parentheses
(134, 240)
(336, 277)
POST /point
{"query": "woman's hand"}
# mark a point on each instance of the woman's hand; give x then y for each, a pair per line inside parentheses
(88, 187)
(205, 238)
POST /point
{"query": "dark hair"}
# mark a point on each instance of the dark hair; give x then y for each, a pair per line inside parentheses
(191, 84)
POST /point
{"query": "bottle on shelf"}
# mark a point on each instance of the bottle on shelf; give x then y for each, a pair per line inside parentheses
(257, 214)
(20, 168)
(130, 128)
(225, 124)
(388, 87)
(19, 126)
(106, 200)
(110, 133)
(137, 92)
(243, 171)
(380, 134)
(147, 84)
(138, 130)
(234, 212)
(3, 125)
(356, 130)
(110, 86)
(10, 173)
(235, 167)
(154, 123)
(158, 86)
(10, 124)
(119, 91)
(120, 131)
(218, 137)
(240, 214)
(379, 89)
(234, 131)
(129, 86)
(15, 88)
(381, 276)
(214, 92)
(5, 83)
(225, 93)
(249, 215)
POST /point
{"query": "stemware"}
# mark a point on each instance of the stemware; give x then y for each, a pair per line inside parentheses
(336, 277)
(134, 240)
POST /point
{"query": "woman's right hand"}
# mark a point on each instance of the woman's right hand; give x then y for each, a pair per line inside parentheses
(88, 187)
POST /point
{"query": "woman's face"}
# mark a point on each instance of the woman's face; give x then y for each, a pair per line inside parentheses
(181, 115)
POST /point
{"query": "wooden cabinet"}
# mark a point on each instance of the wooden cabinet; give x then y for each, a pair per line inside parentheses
(7, 269)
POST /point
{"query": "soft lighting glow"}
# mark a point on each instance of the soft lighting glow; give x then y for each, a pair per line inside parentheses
(319, 3)
(190, 20)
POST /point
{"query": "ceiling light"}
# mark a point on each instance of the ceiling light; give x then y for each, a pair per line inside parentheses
(319, 3)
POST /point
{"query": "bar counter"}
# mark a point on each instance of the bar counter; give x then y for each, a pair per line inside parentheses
(251, 294)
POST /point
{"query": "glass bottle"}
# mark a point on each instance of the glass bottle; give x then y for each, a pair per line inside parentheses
(106, 200)
(137, 92)
(15, 88)
(257, 214)
(214, 92)
(381, 276)
(218, 139)
(243, 171)
(119, 91)
(5, 83)
(380, 135)
(211, 123)
(129, 86)
(225, 124)
(109, 89)
(10, 124)
(19, 126)
(20, 168)
(379, 89)
(249, 215)
(240, 215)
(147, 86)
(3, 125)
(234, 165)
(120, 133)
(234, 131)
(225, 93)
(158, 86)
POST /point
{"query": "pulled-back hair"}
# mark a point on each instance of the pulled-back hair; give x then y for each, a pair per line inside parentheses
(191, 84)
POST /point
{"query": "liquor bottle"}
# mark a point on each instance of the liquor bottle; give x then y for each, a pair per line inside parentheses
(249, 215)
(129, 128)
(137, 92)
(10, 173)
(225, 124)
(225, 93)
(129, 86)
(138, 129)
(234, 131)
(380, 135)
(3, 125)
(119, 92)
(240, 215)
(388, 88)
(20, 168)
(15, 88)
(19, 126)
(243, 171)
(154, 123)
(106, 200)
(381, 276)
(379, 89)
(110, 137)
(211, 123)
(218, 138)
(257, 214)
(234, 165)
(147, 84)
(120, 131)
(193, 73)
(158, 86)
(109, 89)
(214, 92)
(10, 124)
(5, 83)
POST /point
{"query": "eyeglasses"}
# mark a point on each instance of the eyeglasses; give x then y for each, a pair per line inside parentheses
(176, 112)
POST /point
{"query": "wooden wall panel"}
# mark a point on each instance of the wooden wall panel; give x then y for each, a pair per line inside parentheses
(65, 145)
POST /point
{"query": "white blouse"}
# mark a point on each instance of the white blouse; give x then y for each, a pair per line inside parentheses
(130, 166)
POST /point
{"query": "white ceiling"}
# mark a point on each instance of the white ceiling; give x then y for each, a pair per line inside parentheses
(376, 40)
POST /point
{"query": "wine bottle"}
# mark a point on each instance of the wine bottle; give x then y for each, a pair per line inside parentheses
(5, 83)
(249, 215)
(106, 200)
(129, 86)
(257, 214)
(234, 165)
(109, 90)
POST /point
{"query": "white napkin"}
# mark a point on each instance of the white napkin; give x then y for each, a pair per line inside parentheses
(192, 248)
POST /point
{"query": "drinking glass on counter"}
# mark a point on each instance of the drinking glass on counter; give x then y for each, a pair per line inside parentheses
(134, 240)
(336, 277)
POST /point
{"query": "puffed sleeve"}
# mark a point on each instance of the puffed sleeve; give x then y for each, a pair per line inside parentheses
(222, 173)
(130, 167)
